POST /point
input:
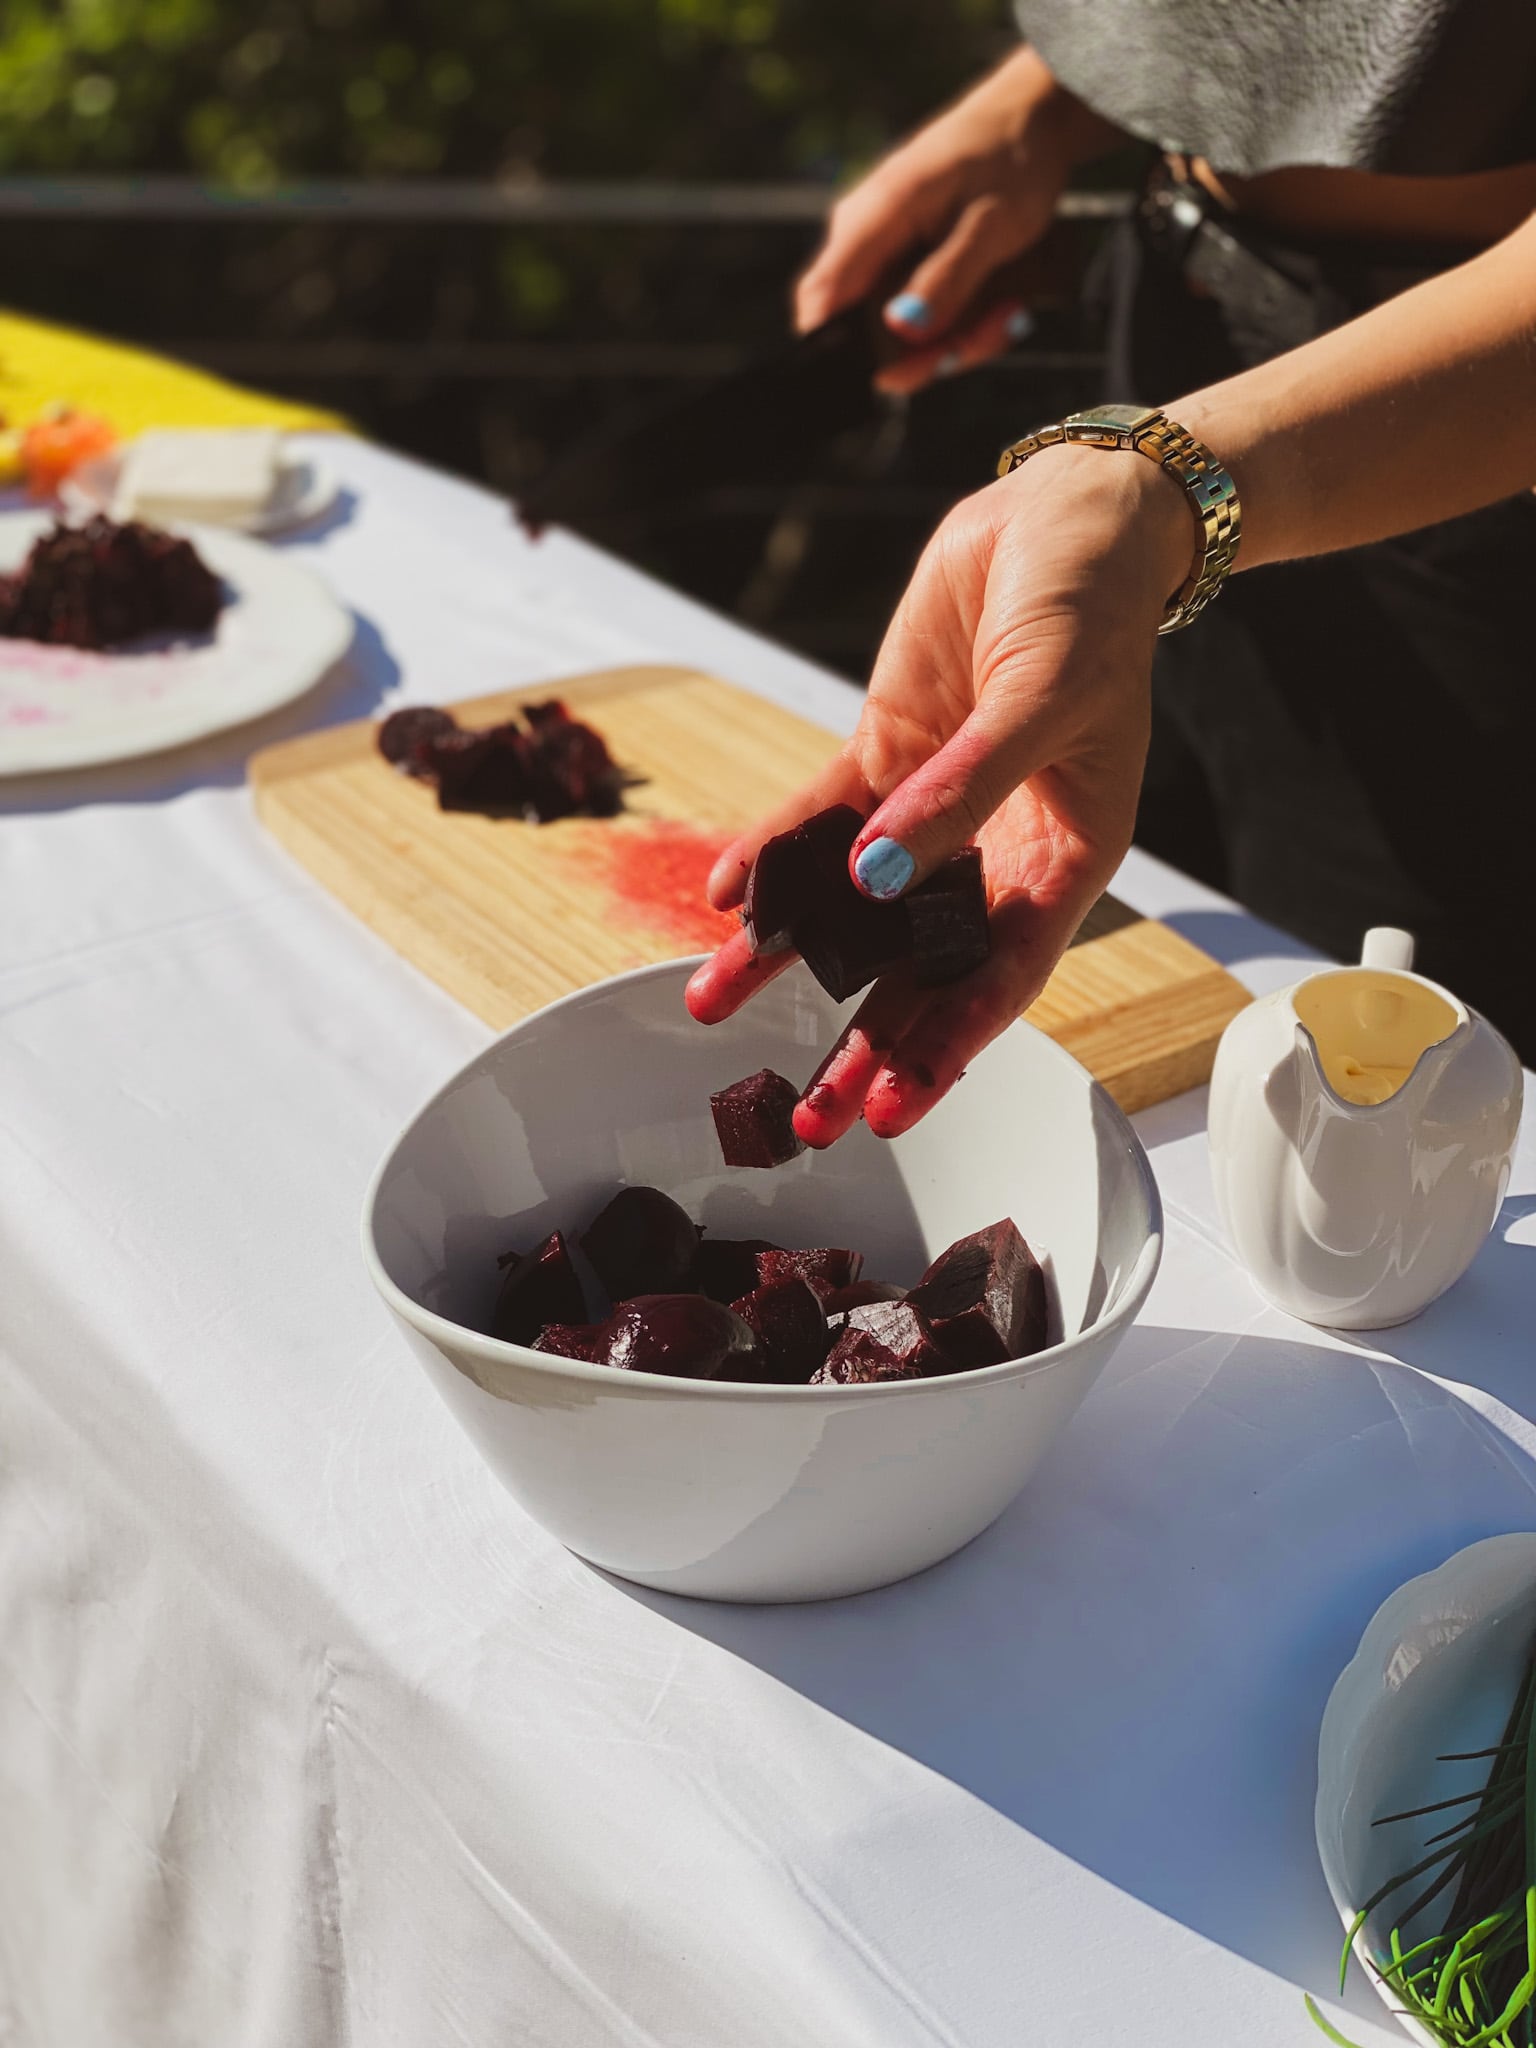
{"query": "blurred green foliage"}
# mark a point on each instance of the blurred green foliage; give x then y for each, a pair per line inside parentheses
(253, 92)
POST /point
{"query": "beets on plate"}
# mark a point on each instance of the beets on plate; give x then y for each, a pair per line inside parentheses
(106, 583)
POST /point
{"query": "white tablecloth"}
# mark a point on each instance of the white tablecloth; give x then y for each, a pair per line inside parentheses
(308, 1735)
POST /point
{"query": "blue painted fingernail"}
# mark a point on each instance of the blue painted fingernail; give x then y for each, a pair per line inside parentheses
(910, 308)
(1021, 324)
(884, 868)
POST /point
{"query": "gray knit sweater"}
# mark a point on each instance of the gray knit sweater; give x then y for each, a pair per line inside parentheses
(1413, 86)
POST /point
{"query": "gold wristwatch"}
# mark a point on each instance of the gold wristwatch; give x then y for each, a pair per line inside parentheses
(1209, 487)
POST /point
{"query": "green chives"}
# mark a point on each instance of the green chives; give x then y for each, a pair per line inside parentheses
(1472, 1985)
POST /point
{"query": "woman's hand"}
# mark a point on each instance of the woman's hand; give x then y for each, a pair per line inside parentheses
(976, 187)
(1010, 705)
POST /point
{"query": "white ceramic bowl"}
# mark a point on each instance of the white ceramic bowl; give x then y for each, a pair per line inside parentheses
(753, 1492)
(1435, 1674)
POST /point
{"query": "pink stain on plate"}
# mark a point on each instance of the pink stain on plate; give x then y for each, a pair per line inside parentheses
(653, 874)
(28, 714)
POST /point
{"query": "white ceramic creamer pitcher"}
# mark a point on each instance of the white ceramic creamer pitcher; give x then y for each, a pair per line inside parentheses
(1361, 1127)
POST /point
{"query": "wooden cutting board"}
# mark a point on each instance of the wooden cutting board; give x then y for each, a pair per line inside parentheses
(507, 916)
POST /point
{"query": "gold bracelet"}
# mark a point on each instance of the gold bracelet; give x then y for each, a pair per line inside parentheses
(1209, 487)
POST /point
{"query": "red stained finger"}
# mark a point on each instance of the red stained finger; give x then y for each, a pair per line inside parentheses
(960, 1022)
(834, 1100)
(718, 989)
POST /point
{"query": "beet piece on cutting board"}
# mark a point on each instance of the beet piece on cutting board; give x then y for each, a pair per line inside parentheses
(684, 1334)
(823, 1268)
(985, 1298)
(406, 737)
(904, 1330)
(480, 771)
(726, 1267)
(787, 1320)
(642, 1243)
(543, 1287)
(753, 1120)
(948, 919)
(858, 1359)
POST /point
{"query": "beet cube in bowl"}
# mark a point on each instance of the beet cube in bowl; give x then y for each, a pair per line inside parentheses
(726, 1267)
(720, 1487)
(642, 1243)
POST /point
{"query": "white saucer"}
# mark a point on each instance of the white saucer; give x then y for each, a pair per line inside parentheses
(304, 489)
(1436, 1672)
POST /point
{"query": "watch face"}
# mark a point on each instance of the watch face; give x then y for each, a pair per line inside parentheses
(1120, 417)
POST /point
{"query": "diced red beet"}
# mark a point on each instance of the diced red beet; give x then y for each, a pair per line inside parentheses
(106, 583)
(684, 1334)
(792, 874)
(781, 877)
(753, 1120)
(800, 893)
(555, 767)
(948, 918)
(726, 1267)
(642, 1243)
(481, 771)
(542, 1288)
(550, 713)
(405, 737)
(903, 1329)
(572, 1340)
(787, 1320)
(823, 1268)
(985, 1298)
(858, 1294)
(857, 1359)
(847, 944)
(571, 772)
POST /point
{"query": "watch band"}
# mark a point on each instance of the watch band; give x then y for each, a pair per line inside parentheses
(1209, 487)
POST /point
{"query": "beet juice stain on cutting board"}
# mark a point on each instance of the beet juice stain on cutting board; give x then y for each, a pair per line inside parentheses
(653, 875)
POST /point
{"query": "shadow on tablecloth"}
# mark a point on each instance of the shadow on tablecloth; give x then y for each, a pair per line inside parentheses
(1132, 1662)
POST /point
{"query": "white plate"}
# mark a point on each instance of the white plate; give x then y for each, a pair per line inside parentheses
(63, 707)
(304, 489)
(1436, 1672)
